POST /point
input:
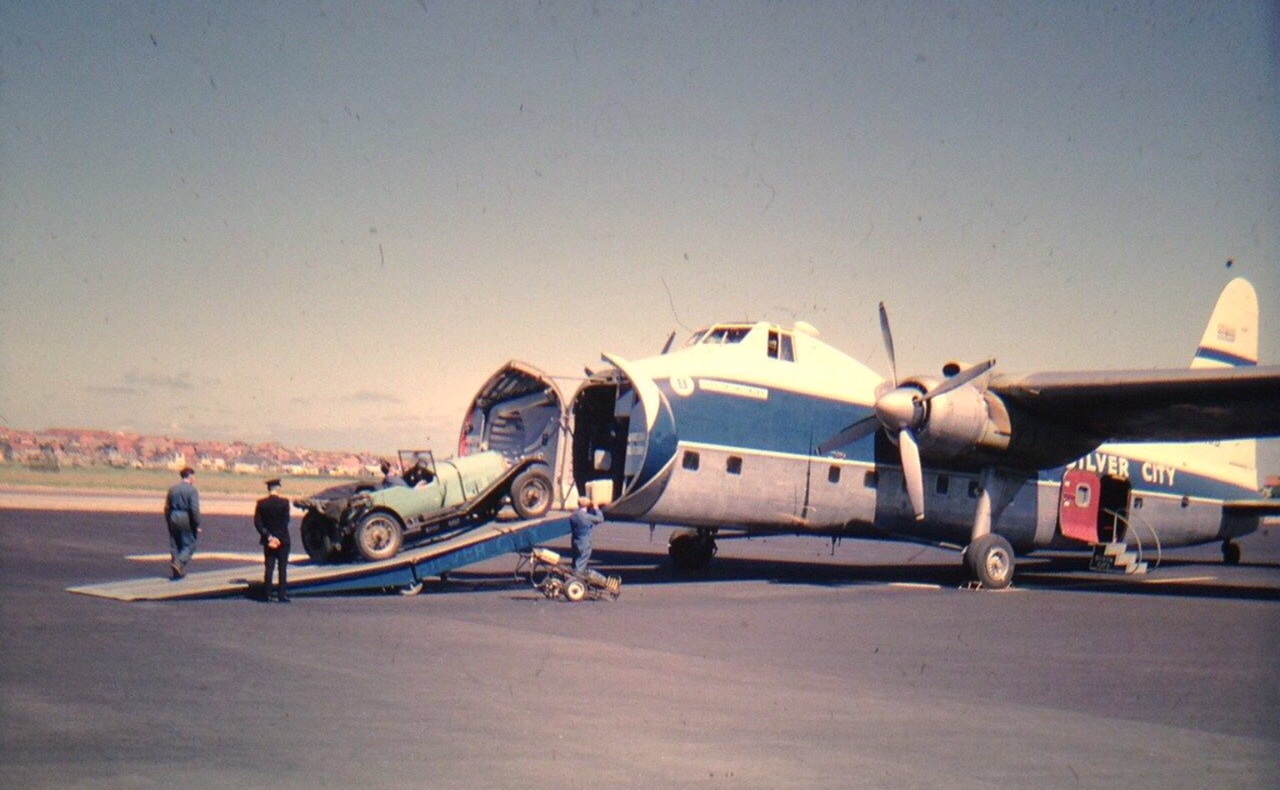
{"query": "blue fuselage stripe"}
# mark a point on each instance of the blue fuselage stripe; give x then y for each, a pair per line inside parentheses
(784, 422)
(1225, 357)
(794, 423)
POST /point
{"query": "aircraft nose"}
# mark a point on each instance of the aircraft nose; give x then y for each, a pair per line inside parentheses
(651, 439)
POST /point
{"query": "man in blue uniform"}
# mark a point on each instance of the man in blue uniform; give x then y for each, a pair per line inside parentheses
(582, 522)
(182, 516)
(271, 519)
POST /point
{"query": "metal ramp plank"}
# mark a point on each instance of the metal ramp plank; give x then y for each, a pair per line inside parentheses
(405, 569)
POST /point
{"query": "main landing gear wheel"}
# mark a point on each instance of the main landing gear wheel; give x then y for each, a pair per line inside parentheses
(691, 551)
(990, 560)
(410, 589)
(1230, 553)
(531, 493)
(379, 536)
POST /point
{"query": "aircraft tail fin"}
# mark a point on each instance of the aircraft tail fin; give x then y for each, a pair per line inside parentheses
(1230, 340)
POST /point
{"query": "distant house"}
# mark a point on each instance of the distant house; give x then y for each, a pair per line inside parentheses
(215, 463)
(350, 466)
(254, 465)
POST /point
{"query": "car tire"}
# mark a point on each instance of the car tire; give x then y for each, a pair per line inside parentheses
(531, 492)
(319, 538)
(378, 536)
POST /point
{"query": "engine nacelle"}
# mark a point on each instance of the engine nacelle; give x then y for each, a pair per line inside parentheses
(961, 422)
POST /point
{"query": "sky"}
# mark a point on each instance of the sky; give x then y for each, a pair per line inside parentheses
(325, 224)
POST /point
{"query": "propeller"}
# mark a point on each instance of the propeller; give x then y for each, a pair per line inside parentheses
(903, 411)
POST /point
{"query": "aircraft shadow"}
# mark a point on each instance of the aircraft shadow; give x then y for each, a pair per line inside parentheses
(1038, 572)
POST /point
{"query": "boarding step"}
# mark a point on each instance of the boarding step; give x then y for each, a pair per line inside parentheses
(1115, 557)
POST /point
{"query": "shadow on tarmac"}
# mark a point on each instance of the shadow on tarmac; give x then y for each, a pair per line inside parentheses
(1066, 572)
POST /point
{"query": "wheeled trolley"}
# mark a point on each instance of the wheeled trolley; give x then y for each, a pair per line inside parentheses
(553, 576)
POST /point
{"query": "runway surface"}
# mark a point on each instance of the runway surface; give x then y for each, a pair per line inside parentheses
(783, 666)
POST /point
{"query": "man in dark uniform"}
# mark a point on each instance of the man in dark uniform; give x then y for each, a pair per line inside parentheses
(271, 519)
(182, 516)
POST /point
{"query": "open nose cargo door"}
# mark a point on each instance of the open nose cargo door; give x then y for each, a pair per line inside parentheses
(518, 412)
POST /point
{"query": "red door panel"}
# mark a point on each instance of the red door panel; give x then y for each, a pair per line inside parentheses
(1078, 505)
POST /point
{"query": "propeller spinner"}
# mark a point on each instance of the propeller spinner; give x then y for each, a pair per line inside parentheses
(903, 412)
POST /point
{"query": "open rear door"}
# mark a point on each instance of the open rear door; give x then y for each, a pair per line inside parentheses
(1078, 503)
(518, 412)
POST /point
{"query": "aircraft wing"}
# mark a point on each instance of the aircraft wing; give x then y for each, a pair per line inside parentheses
(1252, 507)
(1152, 405)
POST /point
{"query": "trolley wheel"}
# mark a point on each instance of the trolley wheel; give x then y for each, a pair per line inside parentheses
(552, 588)
(575, 591)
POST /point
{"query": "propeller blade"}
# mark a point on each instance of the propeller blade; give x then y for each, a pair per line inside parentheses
(671, 338)
(912, 472)
(858, 430)
(888, 344)
(960, 379)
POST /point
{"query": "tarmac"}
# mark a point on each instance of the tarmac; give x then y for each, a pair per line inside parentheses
(790, 663)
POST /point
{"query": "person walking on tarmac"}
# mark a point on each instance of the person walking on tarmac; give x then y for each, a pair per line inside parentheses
(182, 516)
(271, 519)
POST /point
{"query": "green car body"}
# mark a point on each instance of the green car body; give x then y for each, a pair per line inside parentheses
(439, 497)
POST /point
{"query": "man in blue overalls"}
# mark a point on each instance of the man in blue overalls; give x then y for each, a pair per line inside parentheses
(182, 515)
(582, 522)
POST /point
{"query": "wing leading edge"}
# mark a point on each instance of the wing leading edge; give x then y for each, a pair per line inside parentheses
(1152, 406)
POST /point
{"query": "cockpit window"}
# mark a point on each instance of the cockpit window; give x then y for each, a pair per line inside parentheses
(725, 334)
(780, 346)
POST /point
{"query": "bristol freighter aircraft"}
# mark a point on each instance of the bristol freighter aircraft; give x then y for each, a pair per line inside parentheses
(752, 428)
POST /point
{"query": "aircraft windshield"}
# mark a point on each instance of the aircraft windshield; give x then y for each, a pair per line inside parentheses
(724, 335)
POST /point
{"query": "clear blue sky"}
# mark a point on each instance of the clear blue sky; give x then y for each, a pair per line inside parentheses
(326, 223)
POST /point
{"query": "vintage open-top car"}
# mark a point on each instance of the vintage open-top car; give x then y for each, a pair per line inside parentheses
(438, 497)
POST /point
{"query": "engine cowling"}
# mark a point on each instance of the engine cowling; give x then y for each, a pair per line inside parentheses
(960, 422)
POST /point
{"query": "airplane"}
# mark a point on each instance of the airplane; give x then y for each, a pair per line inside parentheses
(753, 429)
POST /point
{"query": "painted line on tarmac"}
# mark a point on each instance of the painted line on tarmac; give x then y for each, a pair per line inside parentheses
(1181, 580)
(235, 556)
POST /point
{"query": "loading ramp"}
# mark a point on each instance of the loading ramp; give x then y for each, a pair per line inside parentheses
(406, 571)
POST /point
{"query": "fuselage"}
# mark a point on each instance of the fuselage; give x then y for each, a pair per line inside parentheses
(722, 433)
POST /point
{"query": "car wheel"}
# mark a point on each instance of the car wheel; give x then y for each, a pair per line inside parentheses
(531, 493)
(318, 537)
(379, 536)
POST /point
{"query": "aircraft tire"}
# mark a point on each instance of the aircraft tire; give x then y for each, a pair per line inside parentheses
(575, 591)
(531, 493)
(691, 551)
(991, 560)
(1230, 553)
(318, 538)
(378, 536)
